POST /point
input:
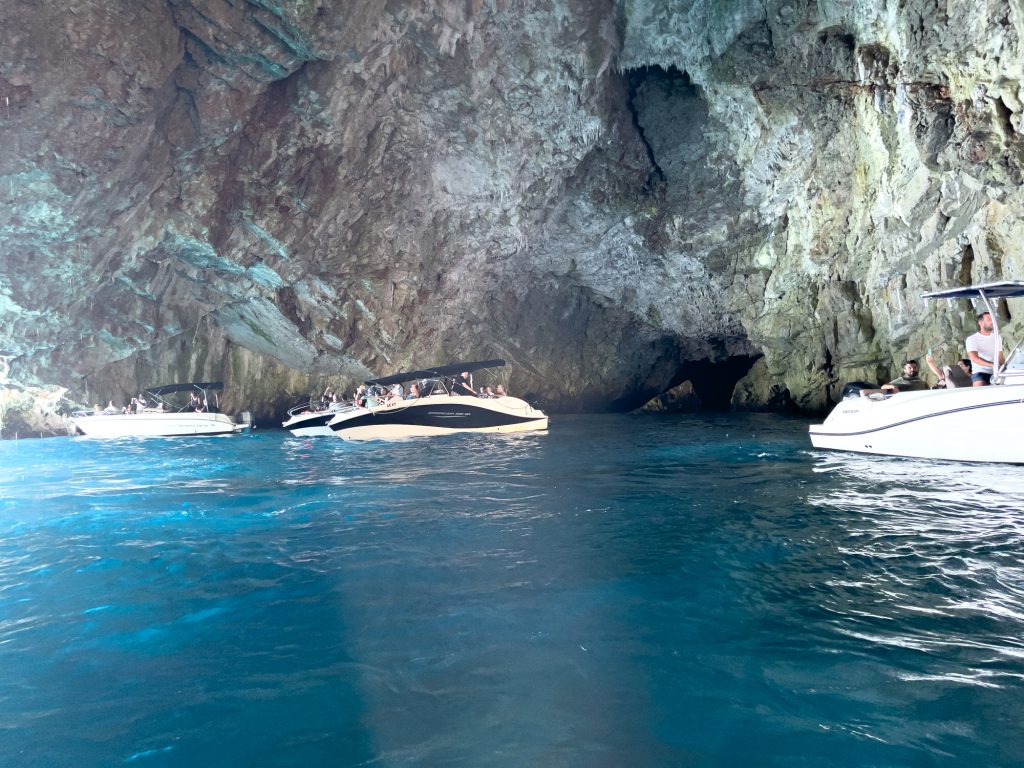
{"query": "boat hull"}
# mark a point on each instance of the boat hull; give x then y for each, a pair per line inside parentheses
(156, 424)
(438, 415)
(313, 424)
(980, 424)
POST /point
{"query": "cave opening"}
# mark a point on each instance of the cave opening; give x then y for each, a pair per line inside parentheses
(713, 384)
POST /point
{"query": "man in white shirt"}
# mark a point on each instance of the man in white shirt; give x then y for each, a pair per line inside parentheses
(981, 348)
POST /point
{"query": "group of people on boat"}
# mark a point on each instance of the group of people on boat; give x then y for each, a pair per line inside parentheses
(974, 370)
(372, 395)
(139, 403)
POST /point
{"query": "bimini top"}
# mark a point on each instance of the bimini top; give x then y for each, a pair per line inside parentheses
(1008, 289)
(452, 369)
(168, 389)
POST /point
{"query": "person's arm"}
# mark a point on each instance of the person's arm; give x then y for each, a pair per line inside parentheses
(935, 369)
(978, 359)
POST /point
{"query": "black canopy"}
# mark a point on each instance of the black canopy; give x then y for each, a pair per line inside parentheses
(168, 389)
(452, 369)
(1007, 289)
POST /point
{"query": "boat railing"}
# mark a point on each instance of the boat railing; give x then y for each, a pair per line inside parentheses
(1012, 371)
(307, 406)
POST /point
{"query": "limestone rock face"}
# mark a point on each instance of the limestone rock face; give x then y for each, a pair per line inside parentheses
(616, 197)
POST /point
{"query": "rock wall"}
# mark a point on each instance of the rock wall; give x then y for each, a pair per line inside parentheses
(867, 151)
(616, 197)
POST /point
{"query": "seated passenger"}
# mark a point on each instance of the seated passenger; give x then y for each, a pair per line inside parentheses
(111, 409)
(954, 377)
(909, 381)
(375, 396)
(414, 392)
(951, 376)
(489, 392)
(499, 391)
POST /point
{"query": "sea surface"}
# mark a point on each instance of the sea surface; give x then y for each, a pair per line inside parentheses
(621, 591)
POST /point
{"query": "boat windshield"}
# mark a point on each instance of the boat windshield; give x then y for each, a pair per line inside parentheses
(1013, 371)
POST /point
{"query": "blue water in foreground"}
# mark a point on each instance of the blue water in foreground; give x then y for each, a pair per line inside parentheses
(623, 591)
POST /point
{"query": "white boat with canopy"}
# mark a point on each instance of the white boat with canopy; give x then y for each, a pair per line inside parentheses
(311, 419)
(982, 423)
(445, 406)
(162, 416)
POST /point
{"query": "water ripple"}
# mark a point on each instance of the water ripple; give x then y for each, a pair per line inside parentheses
(622, 591)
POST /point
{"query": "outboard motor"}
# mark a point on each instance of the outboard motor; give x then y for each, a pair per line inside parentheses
(853, 389)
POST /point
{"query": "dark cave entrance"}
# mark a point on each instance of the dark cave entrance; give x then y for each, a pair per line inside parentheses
(713, 384)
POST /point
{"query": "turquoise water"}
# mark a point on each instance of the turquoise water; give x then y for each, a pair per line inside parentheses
(692, 591)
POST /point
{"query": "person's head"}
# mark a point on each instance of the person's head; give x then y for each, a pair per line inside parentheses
(985, 322)
(965, 364)
(910, 368)
(500, 390)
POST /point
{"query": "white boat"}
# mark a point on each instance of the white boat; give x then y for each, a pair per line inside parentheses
(166, 419)
(438, 411)
(958, 424)
(305, 420)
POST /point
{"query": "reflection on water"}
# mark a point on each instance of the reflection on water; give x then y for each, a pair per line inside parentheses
(621, 591)
(932, 554)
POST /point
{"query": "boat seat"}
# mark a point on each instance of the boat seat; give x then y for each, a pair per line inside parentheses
(955, 377)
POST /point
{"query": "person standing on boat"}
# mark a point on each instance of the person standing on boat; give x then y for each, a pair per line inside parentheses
(909, 381)
(981, 348)
(464, 385)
